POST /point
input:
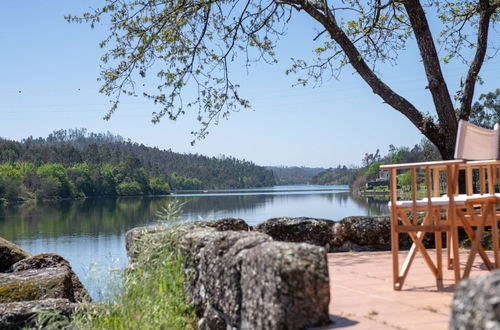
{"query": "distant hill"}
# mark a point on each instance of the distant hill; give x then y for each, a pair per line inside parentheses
(294, 175)
(122, 165)
(340, 175)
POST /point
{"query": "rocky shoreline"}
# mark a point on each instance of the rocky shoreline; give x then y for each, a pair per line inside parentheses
(241, 279)
(270, 276)
(273, 275)
(32, 284)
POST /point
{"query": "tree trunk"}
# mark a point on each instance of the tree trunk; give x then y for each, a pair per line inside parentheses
(445, 142)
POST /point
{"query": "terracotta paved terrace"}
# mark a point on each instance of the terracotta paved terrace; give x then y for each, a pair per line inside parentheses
(362, 296)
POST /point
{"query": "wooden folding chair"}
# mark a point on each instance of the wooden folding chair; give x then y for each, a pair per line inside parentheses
(438, 213)
(479, 147)
(433, 214)
(479, 210)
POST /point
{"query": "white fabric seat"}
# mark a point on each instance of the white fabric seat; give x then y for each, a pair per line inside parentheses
(441, 200)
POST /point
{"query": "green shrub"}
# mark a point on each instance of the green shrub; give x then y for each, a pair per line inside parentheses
(158, 187)
(79, 176)
(153, 298)
(57, 172)
(11, 182)
(10, 188)
(48, 188)
(132, 188)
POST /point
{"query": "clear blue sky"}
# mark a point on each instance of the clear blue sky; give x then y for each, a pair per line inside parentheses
(48, 81)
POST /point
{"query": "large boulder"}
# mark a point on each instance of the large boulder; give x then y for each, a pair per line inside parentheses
(138, 239)
(227, 269)
(135, 235)
(10, 253)
(366, 233)
(284, 286)
(476, 303)
(46, 260)
(21, 315)
(320, 232)
(36, 284)
(218, 272)
(224, 224)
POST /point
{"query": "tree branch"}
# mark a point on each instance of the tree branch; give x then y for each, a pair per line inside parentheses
(424, 124)
(482, 44)
(437, 85)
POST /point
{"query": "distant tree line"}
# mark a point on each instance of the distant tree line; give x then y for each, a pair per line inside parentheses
(357, 176)
(74, 163)
(340, 175)
(290, 175)
(23, 180)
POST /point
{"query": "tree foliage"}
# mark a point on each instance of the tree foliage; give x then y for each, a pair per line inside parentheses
(486, 111)
(192, 45)
(341, 175)
(74, 163)
(369, 170)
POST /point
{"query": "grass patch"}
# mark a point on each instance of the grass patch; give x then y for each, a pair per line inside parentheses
(153, 298)
(153, 294)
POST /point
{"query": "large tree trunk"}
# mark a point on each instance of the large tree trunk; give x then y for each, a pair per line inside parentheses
(445, 142)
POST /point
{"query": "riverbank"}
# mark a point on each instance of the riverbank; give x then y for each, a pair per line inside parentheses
(97, 225)
(274, 275)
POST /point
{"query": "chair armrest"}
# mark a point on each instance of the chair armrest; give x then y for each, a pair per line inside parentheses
(441, 163)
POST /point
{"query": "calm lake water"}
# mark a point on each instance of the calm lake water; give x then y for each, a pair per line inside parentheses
(90, 233)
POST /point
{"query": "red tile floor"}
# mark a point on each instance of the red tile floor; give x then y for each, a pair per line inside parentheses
(362, 296)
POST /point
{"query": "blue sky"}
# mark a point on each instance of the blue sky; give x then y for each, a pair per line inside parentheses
(48, 81)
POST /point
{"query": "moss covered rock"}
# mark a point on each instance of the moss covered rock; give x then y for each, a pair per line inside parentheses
(216, 270)
(320, 232)
(240, 279)
(22, 315)
(10, 253)
(476, 303)
(366, 233)
(284, 286)
(47, 260)
(36, 284)
(224, 224)
(139, 238)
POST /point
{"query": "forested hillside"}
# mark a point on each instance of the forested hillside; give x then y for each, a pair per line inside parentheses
(72, 163)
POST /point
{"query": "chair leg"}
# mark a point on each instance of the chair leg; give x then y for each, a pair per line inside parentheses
(471, 234)
(397, 285)
(439, 254)
(417, 245)
(439, 248)
(454, 246)
(449, 252)
(476, 241)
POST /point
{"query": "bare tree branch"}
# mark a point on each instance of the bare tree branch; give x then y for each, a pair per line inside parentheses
(437, 85)
(467, 93)
(424, 124)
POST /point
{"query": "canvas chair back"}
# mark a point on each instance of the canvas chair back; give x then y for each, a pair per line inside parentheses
(476, 143)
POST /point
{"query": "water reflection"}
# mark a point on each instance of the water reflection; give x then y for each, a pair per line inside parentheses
(374, 205)
(91, 231)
